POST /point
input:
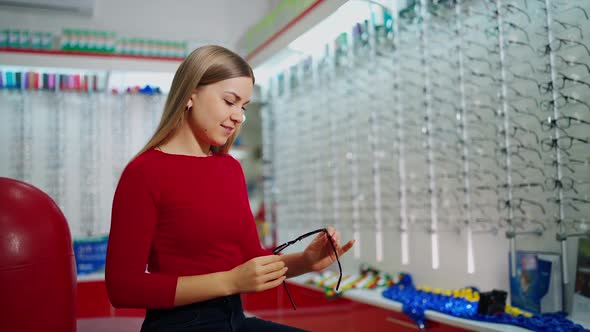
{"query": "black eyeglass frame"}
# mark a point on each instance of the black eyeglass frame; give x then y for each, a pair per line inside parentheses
(283, 246)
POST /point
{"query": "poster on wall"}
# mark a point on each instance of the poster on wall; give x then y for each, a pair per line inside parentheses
(581, 306)
(90, 254)
(536, 286)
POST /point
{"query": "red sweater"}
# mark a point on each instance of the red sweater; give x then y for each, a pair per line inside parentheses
(180, 215)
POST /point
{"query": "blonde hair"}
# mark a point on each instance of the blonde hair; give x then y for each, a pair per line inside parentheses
(205, 65)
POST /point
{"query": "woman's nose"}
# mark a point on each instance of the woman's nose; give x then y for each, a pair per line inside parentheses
(238, 117)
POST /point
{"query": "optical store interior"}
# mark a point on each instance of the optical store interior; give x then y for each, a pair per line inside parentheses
(450, 139)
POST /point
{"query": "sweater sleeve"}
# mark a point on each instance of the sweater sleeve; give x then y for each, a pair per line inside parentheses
(133, 223)
(251, 246)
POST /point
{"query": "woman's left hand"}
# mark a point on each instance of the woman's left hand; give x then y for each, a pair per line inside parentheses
(319, 254)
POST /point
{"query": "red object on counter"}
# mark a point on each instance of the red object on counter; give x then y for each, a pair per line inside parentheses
(37, 265)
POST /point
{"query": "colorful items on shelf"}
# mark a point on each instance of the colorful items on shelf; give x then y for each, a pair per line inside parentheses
(146, 90)
(25, 39)
(463, 303)
(81, 83)
(368, 278)
(154, 48)
(78, 40)
(12, 80)
(91, 41)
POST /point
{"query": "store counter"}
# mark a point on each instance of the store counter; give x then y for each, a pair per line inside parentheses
(357, 310)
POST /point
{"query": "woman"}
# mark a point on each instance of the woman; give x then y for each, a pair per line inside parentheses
(183, 241)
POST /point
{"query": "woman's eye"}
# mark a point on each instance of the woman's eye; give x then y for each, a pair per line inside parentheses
(228, 102)
(244, 109)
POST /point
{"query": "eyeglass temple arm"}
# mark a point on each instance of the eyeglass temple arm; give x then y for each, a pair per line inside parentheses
(280, 248)
(286, 244)
(331, 244)
(337, 260)
(289, 295)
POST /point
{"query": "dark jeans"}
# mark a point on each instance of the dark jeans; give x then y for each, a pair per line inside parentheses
(224, 314)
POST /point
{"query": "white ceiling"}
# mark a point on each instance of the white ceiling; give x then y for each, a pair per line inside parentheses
(197, 21)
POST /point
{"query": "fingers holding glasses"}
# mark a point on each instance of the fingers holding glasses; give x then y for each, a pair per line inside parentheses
(335, 237)
(274, 275)
(258, 274)
(272, 267)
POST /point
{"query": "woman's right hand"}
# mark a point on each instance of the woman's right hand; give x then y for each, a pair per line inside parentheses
(258, 274)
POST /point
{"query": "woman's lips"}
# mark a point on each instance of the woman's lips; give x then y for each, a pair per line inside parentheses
(228, 130)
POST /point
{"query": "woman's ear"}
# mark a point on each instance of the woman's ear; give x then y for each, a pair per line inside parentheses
(189, 103)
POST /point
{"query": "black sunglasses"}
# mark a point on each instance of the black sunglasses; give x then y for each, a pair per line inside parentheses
(280, 248)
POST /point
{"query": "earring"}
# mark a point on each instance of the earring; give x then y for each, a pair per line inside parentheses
(243, 118)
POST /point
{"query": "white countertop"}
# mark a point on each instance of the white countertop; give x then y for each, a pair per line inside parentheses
(374, 297)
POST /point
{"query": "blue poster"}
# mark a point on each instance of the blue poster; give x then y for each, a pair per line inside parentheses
(90, 254)
(535, 287)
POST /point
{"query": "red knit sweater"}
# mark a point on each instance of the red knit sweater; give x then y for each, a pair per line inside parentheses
(180, 215)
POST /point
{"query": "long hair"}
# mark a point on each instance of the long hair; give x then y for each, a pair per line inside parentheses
(205, 65)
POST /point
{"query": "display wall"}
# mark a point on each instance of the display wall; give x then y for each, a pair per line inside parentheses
(74, 146)
(431, 136)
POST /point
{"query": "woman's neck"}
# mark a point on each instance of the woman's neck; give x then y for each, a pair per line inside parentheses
(184, 142)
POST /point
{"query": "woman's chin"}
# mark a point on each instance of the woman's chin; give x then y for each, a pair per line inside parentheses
(219, 142)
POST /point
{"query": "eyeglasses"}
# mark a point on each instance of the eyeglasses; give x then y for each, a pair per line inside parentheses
(570, 61)
(563, 122)
(563, 100)
(563, 143)
(517, 202)
(565, 183)
(569, 163)
(572, 202)
(560, 42)
(280, 248)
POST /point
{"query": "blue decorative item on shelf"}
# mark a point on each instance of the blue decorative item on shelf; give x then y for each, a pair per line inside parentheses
(150, 90)
(415, 302)
(90, 254)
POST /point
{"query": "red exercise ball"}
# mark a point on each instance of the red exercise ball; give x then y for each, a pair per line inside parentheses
(37, 263)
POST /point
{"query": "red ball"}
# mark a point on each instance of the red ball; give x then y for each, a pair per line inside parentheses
(37, 264)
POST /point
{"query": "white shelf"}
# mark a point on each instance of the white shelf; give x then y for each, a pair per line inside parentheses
(87, 61)
(374, 297)
(98, 276)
